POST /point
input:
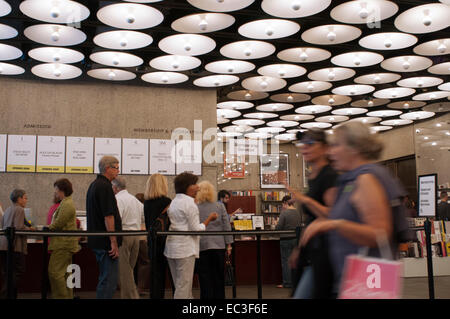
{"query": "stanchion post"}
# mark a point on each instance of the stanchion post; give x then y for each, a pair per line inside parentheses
(233, 263)
(10, 236)
(427, 225)
(153, 262)
(258, 265)
(44, 283)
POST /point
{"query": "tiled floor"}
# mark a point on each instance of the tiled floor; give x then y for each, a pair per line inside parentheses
(413, 288)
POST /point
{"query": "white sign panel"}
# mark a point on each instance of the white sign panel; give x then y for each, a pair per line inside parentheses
(21, 155)
(50, 154)
(79, 155)
(427, 195)
(245, 147)
(2, 152)
(162, 157)
(189, 157)
(106, 147)
(135, 156)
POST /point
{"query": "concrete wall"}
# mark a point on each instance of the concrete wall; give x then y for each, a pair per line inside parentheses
(100, 110)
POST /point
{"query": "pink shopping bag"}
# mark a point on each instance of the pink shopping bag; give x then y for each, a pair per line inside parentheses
(371, 278)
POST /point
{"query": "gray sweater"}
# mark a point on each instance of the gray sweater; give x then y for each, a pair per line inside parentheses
(289, 220)
(222, 223)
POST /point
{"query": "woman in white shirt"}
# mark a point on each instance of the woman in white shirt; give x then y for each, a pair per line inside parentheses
(181, 251)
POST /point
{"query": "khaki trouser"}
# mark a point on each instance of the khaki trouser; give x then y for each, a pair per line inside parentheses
(60, 259)
(128, 254)
(182, 271)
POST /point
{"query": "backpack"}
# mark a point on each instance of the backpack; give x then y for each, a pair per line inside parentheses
(162, 222)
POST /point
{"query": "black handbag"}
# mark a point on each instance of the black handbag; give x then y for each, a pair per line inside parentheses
(229, 272)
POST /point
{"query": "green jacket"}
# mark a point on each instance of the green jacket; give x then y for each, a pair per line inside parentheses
(64, 218)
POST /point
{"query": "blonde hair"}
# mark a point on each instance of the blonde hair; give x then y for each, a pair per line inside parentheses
(156, 187)
(357, 135)
(207, 193)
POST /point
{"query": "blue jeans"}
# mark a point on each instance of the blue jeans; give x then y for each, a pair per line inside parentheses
(286, 247)
(305, 285)
(108, 274)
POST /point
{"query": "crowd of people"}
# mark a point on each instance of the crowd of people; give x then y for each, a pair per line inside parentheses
(350, 203)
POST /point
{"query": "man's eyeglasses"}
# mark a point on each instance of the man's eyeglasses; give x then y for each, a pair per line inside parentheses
(115, 167)
(307, 142)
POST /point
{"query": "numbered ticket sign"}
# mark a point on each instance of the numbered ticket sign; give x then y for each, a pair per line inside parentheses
(162, 157)
(80, 155)
(107, 147)
(2, 152)
(135, 156)
(50, 154)
(189, 157)
(21, 155)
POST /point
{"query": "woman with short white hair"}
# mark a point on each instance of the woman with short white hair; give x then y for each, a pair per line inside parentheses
(211, 265)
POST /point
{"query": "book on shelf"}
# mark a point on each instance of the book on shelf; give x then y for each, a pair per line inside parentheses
(271, 208)
(271, 221)
(242, 193)
(274, 196)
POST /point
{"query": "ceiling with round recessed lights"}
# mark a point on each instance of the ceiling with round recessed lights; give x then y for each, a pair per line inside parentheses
(308, 62)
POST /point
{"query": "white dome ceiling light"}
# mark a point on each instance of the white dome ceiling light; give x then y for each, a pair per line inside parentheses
(282, 70)
(420, 82)
(396, 122)
(274, 107)
(116, 59)
(393, 93)
(384, 113)
(123, 40)
(290, 97)
(248, 122)
(235, 105)
(353, 89)
(10, 69)
(367, 119)
(237, 128)
(165, 77)
(407, 63)
(55, 11)
(444, 87)
(9, 52)
(261, 115)
(221, 5)
(378, 78)
(380, 128)
(7, 32)
(56, 71)
(440, 68)
(294, 8)
(5, 8)
(318, 125)
(247, 95)
(331, 99)
(388, 41)
(286, 137)
(331, 34)
(111, 74)
(216, 80)
(297, 117)
(369, 102)
(228, 134)
(303, 55)
(332, 118)
(203, 22)
(364, 11)
(222, 120)
(247, 50)
(406, 105)
(258, 136)
(56, 55)
(313, 109)
(228, 114)
(429, 96)
(331, 74)
(175, 63)
(267, 29)
(263, 83)
(349, 111)
(432, 48)
(53, 34)
(187, 44)
(282, 123)
(310, 87)
(417, 115)
(130, 16)
(357, 59)
(230, 66)
(424, 18)
(270, 130)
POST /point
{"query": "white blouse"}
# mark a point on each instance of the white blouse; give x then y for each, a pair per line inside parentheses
(184, 216)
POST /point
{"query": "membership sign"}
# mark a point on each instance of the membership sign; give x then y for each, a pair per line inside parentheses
(50, 154)
(80, 155)
(21, 155)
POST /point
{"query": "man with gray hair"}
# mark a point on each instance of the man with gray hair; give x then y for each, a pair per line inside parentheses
(131, 212)
(103, 215)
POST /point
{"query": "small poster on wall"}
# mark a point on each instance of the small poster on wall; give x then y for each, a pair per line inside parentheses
(21, 155)
(274, 170)
(2, 152)
(50, 154)
(107, 147)
(135, 156)
(188, 157)
(234, 166)
(162, 157)
(79, 155)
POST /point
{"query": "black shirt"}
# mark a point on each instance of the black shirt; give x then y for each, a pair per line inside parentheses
(101, 202)
(153, 208)
(317, 187)
(443, 211)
